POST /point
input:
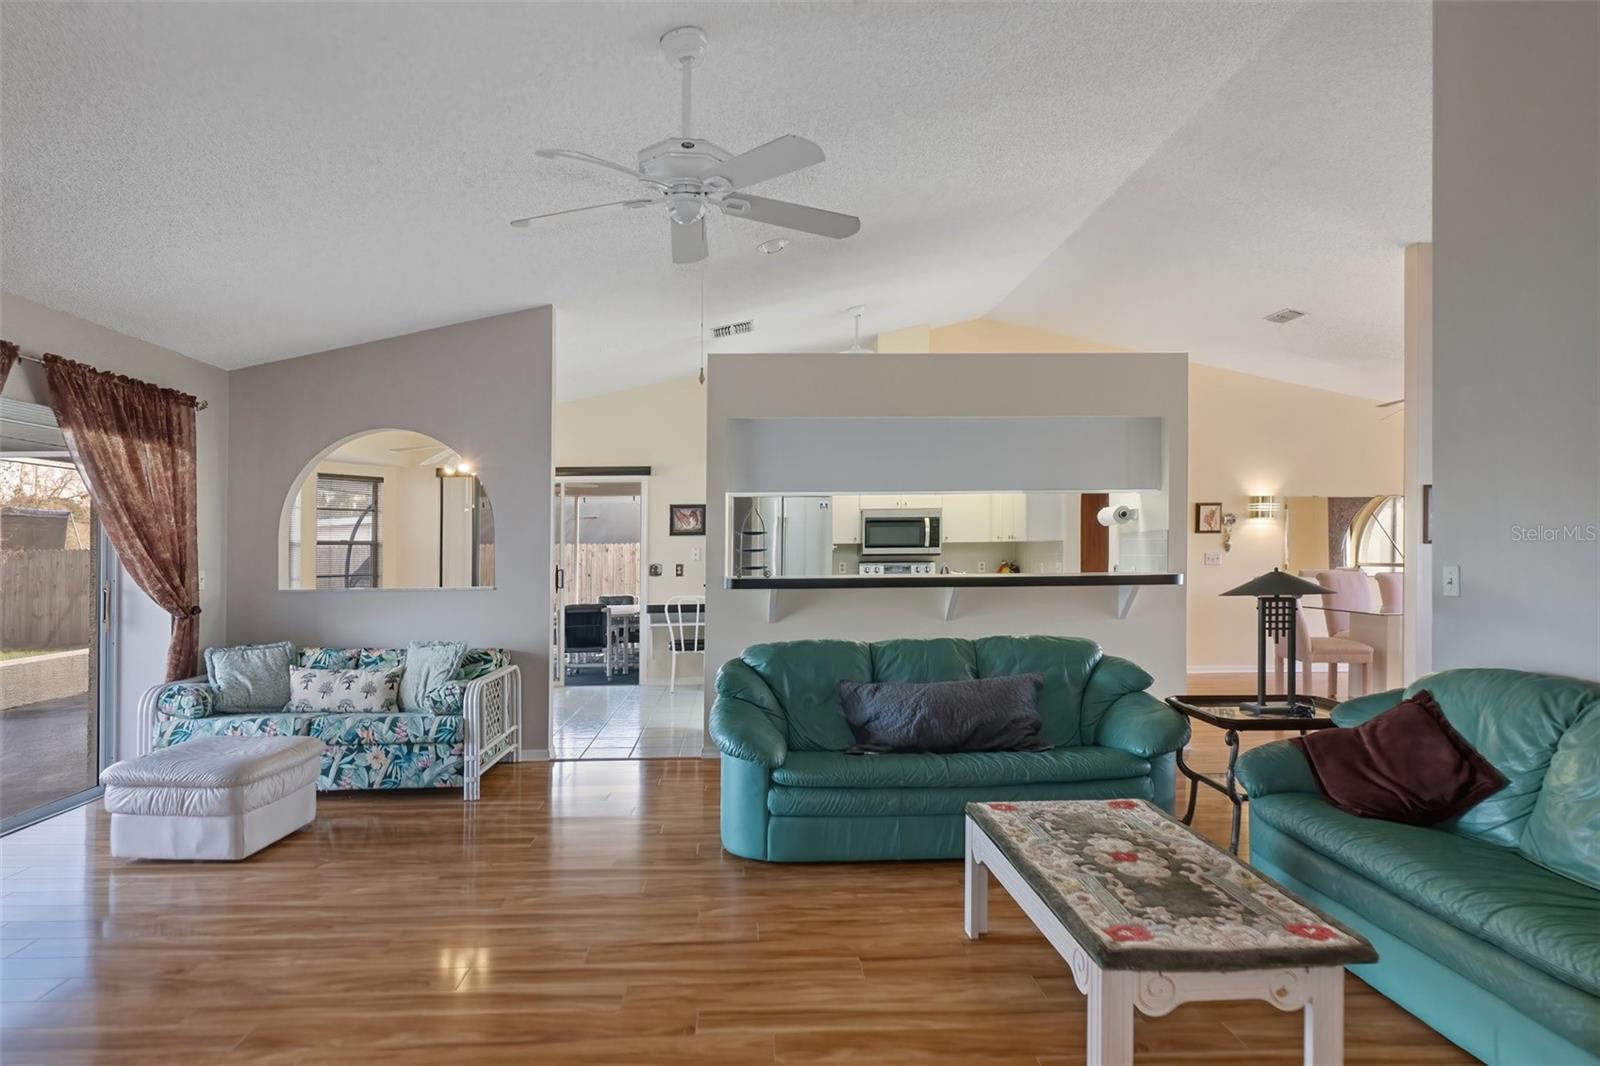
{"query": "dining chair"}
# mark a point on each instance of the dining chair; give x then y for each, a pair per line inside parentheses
(1391, 590)
(686, 624)
(1352, 589)
(585, 632)
(1313, 645)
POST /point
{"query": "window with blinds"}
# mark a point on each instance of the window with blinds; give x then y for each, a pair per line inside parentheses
(349, 539)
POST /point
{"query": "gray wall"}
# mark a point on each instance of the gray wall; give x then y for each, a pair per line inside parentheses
(484, 389)
(1516, 368)
(143, 629)
(880, 390)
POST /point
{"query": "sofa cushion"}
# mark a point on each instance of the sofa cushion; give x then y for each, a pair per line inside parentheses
(1113, 678)
(1516, 721)
(908, 661)
(1564, 831)
(900, 802)
(481, 662)
(250, 675)
(804, 676)
(258, 723)
(357, 730)
(1546, 920)
(1064, 662)
(429, 664)
(328, 658)
(819, 769)
(391, 766)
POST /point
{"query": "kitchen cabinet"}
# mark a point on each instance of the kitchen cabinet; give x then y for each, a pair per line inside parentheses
(847, 519)
(967, 519)
(894, 502)
(1008, 516)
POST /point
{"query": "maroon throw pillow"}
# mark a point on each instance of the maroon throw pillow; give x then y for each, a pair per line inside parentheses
(1407, 765)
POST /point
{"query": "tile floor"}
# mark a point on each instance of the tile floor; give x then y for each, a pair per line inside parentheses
(626, 722)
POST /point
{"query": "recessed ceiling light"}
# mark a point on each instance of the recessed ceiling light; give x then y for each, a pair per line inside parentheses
(774, 246)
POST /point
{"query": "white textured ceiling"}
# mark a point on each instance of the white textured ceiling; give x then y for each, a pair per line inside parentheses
(1297, 185)
(244, 183)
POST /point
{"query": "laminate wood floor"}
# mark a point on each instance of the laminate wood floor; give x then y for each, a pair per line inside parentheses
(580, 913)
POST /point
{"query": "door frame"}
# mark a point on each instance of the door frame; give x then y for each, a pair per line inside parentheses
(557, 494)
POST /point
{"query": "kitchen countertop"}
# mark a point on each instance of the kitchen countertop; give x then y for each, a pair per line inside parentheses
(952, 581)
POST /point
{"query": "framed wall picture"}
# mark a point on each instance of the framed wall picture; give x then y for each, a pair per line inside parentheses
(1208, 518)
(687, 520)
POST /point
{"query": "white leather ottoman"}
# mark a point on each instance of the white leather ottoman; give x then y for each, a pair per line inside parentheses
(212, 797)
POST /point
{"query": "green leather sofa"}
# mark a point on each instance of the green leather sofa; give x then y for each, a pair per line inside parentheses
(1488, 926)
(790, 794)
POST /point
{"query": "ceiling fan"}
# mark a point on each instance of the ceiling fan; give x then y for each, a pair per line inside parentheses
(691, 176)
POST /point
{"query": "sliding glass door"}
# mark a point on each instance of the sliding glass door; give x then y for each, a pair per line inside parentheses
(57, 584)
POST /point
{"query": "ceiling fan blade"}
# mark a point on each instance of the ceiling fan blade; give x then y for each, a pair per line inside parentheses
(594, 160)
(773, 159)
(531, 219)
(689, 242)
(791, 216)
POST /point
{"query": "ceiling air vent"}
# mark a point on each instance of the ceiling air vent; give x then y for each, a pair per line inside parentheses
(734, 329)
(1288, 314)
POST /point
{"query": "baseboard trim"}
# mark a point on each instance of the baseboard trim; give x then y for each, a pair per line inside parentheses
(533, 755)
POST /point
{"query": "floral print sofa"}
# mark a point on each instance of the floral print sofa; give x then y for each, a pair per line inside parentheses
(472, 721)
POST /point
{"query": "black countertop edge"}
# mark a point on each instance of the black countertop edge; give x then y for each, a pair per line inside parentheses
(954, 581)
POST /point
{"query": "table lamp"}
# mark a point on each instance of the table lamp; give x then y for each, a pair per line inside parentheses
(1277, 602)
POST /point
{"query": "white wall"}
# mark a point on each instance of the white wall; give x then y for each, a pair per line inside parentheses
(483, 387)
(144, 628)
(878, 390)
(1516, 369)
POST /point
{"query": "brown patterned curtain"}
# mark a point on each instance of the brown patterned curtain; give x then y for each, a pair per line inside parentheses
(8, 359)
(134, 443)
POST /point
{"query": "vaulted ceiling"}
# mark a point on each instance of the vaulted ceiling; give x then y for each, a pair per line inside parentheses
(244, 183)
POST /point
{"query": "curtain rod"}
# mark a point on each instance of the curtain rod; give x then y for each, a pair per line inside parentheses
(199, 405)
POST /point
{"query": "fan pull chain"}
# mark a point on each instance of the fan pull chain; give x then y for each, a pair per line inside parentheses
(702, 319)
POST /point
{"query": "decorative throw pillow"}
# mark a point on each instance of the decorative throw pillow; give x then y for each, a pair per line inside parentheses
(344, 691)
(329, 658)
(429, 664)
(251, 676)
(986, 714)
(186, 701)
(1406, 765)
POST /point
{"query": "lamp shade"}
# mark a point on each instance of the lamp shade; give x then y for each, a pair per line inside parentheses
(1279, 583)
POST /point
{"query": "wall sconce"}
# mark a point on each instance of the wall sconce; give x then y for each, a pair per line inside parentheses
(1263, 507)
(1228, 521)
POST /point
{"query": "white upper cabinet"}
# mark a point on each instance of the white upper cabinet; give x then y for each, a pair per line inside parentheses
(1008, 516)
(847, 519)
(889, 503)
(966, 519)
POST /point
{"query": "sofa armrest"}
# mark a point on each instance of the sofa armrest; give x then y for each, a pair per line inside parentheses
(148, 702)
(1352, 713)
(742, 730)
(1274, 768)
(1142, 725)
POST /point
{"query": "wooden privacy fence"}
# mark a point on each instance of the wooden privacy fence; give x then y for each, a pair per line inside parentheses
(604, 570)
(46, 598)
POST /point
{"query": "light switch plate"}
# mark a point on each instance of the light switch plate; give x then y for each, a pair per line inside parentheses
(1450, 583)
(1213, 558)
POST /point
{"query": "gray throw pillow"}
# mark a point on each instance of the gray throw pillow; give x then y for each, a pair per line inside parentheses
(251, 676)
(429, 664)
(987, 714)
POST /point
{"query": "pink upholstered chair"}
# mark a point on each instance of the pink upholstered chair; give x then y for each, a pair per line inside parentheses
(1314, 644)
(1352, 589)
(1391, 590)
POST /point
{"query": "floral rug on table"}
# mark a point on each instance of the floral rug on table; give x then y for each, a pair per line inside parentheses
(1139, 890)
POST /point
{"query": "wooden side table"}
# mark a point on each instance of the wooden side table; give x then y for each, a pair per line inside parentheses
(1231, 714)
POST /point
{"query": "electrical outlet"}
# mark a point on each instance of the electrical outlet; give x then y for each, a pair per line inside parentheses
(678, 570)
(1213, 558)
(1451, 585)
(983, 566)
(694, 555)
(843, 568)
(1058, 567)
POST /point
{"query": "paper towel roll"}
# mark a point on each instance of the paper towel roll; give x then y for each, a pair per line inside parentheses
(1116, 516)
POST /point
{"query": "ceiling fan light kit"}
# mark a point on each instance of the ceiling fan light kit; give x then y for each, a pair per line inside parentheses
(691, 175)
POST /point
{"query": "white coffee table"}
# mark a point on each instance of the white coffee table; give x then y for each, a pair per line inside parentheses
(1148, 915)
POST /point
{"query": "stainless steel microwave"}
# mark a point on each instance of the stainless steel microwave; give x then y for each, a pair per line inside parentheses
(901, 531)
